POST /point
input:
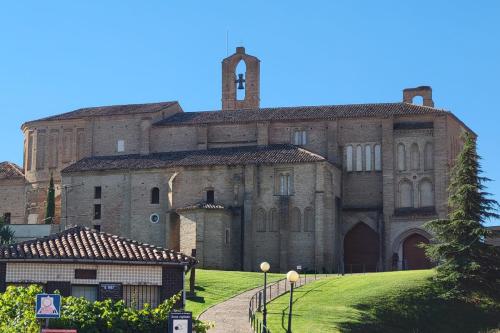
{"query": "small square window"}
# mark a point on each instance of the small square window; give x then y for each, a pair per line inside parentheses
(120, 146)
(299, 137)
(97, 192)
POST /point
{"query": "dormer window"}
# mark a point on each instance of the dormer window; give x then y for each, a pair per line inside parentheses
(299, 137)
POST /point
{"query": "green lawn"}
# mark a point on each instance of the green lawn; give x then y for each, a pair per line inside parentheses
(379, 302)
(213, 287)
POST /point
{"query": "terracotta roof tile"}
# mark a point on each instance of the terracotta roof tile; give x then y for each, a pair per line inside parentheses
(272, 154)
(325, 112)
(111, 110)
(80, 243)
(9, 170)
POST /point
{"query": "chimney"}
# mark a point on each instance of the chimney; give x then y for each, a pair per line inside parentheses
(423, 91)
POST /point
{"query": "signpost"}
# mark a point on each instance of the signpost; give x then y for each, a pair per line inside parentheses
(48, 306)
(180, 322)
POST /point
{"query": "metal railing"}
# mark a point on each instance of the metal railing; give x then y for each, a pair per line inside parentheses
(273, 290)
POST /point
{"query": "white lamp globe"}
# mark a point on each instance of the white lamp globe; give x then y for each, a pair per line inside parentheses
(292, 276)
(265, 266)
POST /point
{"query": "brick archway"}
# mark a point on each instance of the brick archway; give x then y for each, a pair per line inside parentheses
(413, 255)
(361, 249)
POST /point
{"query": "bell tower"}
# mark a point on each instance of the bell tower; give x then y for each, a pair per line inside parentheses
(248, 81)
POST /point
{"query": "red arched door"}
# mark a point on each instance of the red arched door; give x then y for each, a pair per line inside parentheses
(414, 256)
(361, 249)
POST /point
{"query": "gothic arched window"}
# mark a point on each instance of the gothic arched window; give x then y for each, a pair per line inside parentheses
(426, 193)
(368, 158)
(405, 194)
(401, 157)
(155, 195)
(378, 157)
(349, 158)
(359, 158)
(415, 157)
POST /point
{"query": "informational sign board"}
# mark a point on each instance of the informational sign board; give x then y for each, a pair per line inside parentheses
(48, 306)
(299, 267)
(110, 291)
(180, 322)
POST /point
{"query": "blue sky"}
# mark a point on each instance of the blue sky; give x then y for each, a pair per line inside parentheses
(57, 56)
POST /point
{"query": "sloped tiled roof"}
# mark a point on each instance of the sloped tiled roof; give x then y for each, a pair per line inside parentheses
(271, 154)
(9, 170)
(84, 244)
(202, 205)
(111, 110)
(326, 112)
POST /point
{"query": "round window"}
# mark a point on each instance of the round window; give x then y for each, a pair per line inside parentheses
(154, 218)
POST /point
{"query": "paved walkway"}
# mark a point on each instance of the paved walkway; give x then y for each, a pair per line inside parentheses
(231, 316)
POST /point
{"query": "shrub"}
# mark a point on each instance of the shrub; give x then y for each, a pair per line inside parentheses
(17, 314)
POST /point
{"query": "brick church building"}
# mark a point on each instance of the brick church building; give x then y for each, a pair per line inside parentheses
(325, 187)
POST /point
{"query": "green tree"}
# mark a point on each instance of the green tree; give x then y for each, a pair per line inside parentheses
(51, 202)
(467, 265)
(6, 233)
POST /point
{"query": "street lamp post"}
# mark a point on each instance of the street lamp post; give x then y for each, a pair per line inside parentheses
(265, 268)
(292, 277)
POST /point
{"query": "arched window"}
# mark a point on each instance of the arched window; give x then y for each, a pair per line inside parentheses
(405, 194)
(428, 161)
(155, 195)
(295, 225)
(308, 219)
(378, 158)
(273, 220)
(349, 158)
(415, 157)
(426, 193)
(401, 157)
(359, 158)
(368, 158)
(260, 219)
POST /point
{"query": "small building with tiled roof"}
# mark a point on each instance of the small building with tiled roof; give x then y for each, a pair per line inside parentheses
(328, 187)
(84, 262)
(12, 193)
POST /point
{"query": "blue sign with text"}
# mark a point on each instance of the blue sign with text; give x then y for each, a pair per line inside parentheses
(48, 306)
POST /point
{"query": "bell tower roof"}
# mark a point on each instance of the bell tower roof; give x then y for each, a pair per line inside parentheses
(248, 81)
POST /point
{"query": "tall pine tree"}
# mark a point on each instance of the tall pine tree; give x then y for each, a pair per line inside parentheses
(467, 264)
(51, 202)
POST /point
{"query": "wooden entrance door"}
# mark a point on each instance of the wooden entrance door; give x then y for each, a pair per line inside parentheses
(414, 256)
(361, 249)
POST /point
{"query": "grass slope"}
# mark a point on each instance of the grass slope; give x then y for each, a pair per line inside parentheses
(213, 287)
(380, 302)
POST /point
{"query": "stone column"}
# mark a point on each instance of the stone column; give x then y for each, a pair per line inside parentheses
(321, 228)
(388, 188)
(249, 181)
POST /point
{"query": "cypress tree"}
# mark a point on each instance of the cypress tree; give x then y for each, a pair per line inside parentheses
(51, 202)
(467, 265)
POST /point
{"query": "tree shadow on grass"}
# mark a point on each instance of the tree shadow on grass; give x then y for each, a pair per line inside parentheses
(423, 310)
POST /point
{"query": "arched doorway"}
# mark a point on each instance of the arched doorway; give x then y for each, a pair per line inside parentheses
(361, 249)
(413, 255)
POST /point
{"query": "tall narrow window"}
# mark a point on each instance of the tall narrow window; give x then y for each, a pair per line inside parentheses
(260, 219)
(368, 158)
(210, 196)
(378, 157)
(97, 192)
(359, 158)
(426, 193)
(295, 225)
(227, 238)
(299, 137)
(429, 158)
(97, 212)
(308, 219)
(285, 184)
(155, 195)
(349, 158)
(120, 146)
(405, 194)
(415, 157)
(401, 157)
(273, 220)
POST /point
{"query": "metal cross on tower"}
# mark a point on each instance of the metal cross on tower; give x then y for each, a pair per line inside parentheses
(240, 82)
